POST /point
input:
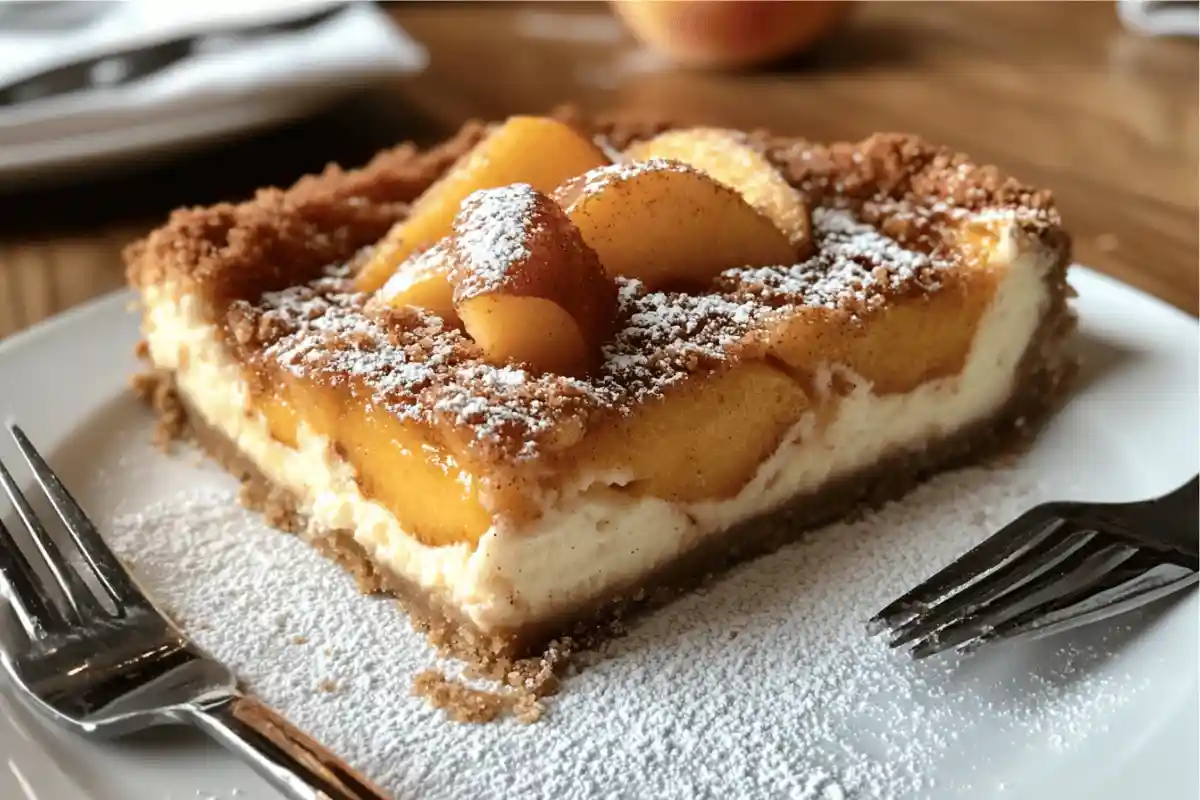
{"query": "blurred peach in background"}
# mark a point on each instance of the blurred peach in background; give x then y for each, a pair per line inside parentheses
(729, 33)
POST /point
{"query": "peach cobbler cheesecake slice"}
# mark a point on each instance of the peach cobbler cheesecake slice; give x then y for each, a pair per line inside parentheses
(547, 372)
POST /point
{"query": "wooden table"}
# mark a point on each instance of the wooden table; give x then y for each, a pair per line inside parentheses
(1056, 93)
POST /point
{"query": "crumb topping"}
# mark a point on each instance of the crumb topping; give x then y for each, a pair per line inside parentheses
(883, 214)
(854, 265)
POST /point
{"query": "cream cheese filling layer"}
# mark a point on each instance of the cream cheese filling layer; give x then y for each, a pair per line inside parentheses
(597, 539)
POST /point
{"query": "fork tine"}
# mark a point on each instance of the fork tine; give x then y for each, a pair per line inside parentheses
(1140, 580)
(1024, 567)
(1025, 532)
(108, 568)
(25, 591)
(1080, 569)
(82, 603)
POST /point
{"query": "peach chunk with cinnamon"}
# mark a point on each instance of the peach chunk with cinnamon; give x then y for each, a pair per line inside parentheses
(423, 281)
(540, 151)
(728, 157)
(710, 435)
(668, 224)
(526, 286)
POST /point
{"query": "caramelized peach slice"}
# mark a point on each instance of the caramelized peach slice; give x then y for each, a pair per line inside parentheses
(704, 33)
(527, 287)
(424, 282)
(400, 464)
(540, 151)
(710, 436)
(897, 347)
(726, 156)
(666, 223)
(526, 330)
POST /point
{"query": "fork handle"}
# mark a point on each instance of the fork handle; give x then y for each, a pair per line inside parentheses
(290, 760)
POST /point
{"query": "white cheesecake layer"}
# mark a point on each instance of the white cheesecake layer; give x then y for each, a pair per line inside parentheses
(597, 539)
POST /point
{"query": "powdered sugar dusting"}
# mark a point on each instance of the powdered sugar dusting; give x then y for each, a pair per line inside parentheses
(853, 261)
(417, 368)
(762, 685)
(664, 336)
(492, 399)
(491, 231)
(597, 180)
(342, 343)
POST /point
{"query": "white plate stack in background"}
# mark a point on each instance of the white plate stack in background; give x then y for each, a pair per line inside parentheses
(1161, 17)
(232, 83)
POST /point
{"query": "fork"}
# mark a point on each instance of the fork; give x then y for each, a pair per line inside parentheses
(106, 669)
(1056, 567)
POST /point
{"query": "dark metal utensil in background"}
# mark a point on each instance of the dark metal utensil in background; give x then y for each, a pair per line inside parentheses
(123, 67)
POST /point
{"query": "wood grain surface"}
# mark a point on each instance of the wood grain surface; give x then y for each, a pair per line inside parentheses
(1056, 93)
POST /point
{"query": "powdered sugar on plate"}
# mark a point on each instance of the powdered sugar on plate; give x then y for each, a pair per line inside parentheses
(764, 684)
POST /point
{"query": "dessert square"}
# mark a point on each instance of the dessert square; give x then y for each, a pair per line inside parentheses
(555, 370)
